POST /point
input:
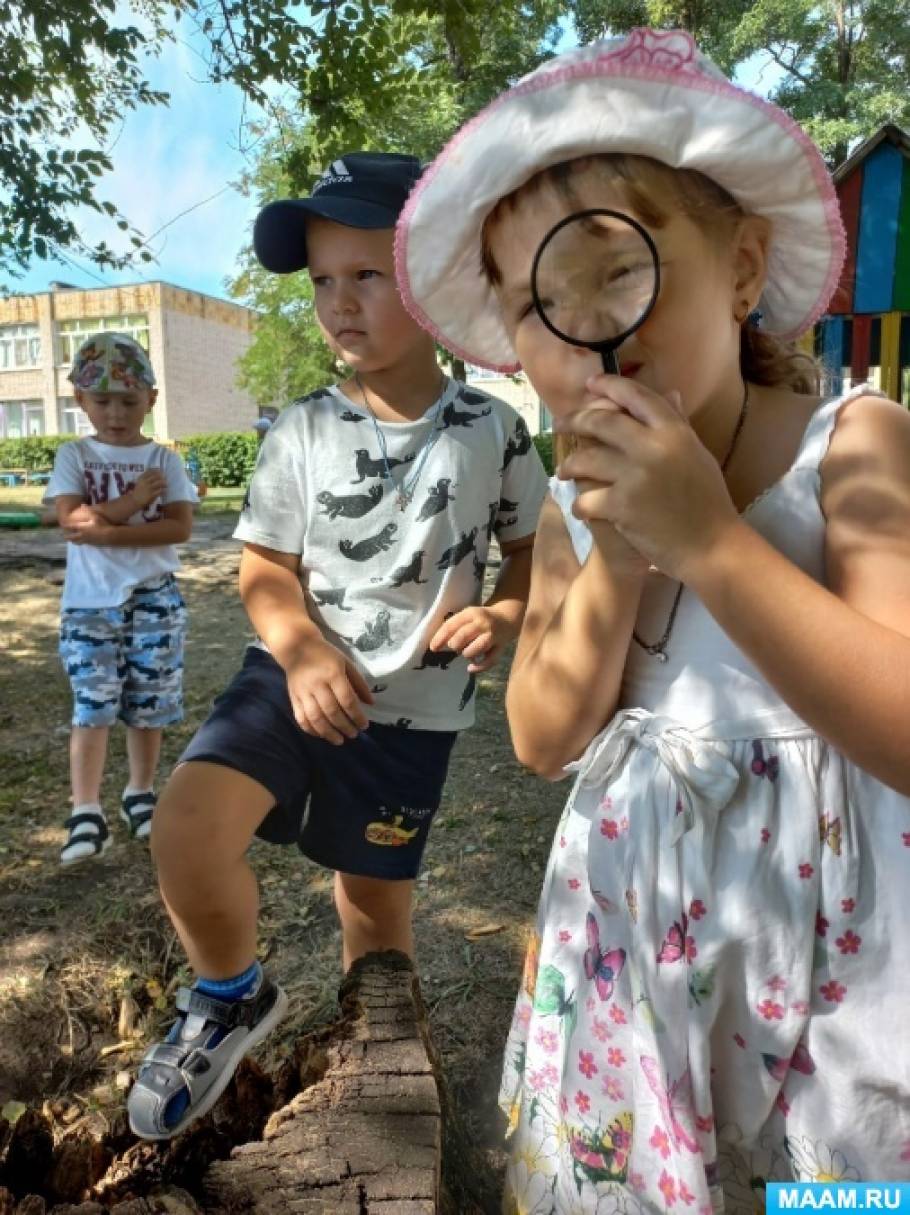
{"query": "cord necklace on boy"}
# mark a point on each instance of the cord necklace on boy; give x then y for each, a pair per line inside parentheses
(658, 649)
(406, 488)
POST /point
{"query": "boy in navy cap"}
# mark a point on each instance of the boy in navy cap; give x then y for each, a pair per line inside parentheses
(366, 532)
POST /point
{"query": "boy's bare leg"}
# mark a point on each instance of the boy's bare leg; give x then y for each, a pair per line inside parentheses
(88, 751)
(201, 830)
(375, 913)
(143, 747)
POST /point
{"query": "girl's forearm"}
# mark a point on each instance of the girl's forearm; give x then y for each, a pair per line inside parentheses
(565, 688)
(846, 676)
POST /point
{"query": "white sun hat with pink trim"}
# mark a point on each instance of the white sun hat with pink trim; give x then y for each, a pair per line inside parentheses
(650, 93)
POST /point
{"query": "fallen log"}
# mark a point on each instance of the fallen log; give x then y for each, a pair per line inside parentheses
(357, 1122)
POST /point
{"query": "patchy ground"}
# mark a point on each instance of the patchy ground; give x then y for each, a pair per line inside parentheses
(88, 961)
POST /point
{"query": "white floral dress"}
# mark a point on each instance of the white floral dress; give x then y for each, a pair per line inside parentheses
(717, 993)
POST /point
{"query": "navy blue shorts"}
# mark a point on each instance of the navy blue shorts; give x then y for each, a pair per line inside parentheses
(364, 807)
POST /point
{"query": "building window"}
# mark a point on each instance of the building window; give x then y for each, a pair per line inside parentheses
(20, 346)
(19, 419)
(73, 420)
(73, 333)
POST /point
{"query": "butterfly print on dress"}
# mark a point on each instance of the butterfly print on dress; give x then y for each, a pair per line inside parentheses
(363, 550)
(456, 554)
(675, 1101)
(437, 497)
(350, 506)
(375, 635)
(603, 966)
(366, 466)
(519, 443)
(452, 416)
(331, 596)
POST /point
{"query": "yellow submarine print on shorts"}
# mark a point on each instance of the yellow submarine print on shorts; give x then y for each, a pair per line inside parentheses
(390, 834)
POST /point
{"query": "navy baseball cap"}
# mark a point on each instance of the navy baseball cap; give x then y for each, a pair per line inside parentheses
(360, 190)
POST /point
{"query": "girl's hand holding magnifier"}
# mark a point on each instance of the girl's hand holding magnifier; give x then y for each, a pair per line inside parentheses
(642, 468)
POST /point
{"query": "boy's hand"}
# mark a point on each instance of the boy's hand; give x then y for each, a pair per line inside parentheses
(149, 486)
(477, 633)
(327, 693)
(88, 529)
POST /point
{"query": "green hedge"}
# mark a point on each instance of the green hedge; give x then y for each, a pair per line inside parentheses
(225, 460)
(35, 452)
(544, 445)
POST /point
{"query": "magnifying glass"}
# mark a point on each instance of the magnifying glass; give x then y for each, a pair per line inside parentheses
(594, 280)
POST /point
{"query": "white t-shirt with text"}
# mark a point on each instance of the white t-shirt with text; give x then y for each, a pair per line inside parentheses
(99, 576)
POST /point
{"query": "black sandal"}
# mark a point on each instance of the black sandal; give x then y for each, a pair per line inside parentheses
(136, 811)
(89, 837)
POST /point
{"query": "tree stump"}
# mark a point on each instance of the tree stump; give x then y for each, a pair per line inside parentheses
(365, 1137)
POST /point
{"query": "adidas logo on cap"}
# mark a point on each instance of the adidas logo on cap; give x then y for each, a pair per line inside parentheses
(336, 173)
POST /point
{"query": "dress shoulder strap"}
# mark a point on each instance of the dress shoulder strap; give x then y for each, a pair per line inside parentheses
(817, 437)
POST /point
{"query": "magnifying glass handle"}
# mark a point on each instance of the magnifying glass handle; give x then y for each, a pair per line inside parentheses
(610, 363)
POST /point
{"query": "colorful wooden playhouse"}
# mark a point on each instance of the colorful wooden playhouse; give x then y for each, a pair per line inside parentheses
(866, 334)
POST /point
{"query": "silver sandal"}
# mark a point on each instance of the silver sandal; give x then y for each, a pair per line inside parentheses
(200, 1056)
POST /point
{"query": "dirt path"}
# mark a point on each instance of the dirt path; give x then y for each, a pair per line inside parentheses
(89, 963)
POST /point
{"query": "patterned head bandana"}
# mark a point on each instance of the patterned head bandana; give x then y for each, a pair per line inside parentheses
(111, 362)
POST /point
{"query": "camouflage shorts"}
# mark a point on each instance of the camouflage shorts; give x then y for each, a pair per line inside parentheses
(127, 661)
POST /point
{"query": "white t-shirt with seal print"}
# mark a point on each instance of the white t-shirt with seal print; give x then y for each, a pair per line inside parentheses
(98, 575)
(380, 581)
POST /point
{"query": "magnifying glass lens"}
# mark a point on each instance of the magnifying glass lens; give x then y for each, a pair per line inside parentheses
(595, 278)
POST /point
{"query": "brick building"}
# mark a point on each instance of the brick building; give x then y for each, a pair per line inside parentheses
(193, 340)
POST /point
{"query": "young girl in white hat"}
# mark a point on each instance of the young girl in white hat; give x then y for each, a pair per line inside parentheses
(717, 645)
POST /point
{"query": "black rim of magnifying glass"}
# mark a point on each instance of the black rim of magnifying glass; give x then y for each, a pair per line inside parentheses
(604, 349)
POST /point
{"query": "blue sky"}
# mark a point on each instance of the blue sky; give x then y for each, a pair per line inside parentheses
(170, 162)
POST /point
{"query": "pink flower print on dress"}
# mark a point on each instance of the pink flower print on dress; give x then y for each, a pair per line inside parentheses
(765, 835)
(574, 883)
(906, 839)
(586, 1064)
(612, 1088)
(771, 1010)
(821, 924)
(806, 870)
(582, 1102)
(697, 909)
(760, 766)
(675, 1101)
(615, 1057)
(547, 1040)
(667, 50)
(777, 983)
(564, 935)
(667, 1187)
(660, 1141)
(536, 1081)
(833, 992)
(609, 828)
(849, 942)
(601, 1030)
(704, 1124)
(848, 906)
(617, 1016)
(800, 1008)
(686, 1194)
(740, 1041)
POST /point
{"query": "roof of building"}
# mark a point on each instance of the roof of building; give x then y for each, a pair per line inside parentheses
(889, 132)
